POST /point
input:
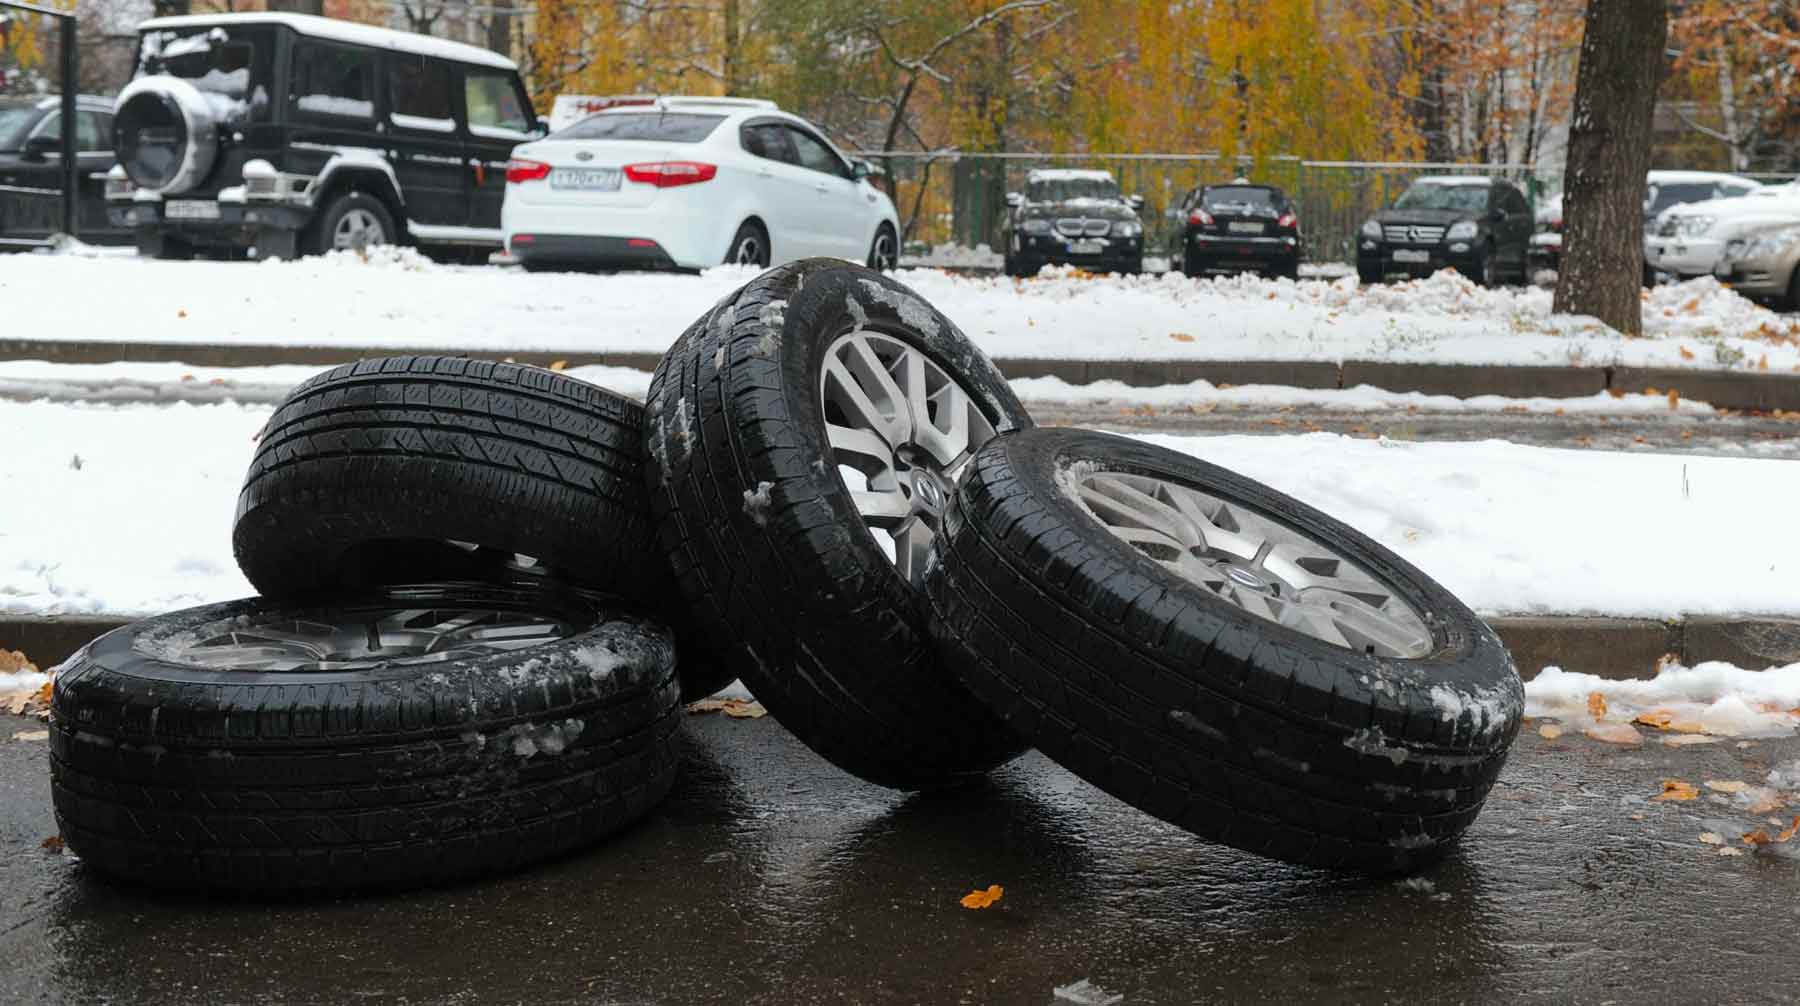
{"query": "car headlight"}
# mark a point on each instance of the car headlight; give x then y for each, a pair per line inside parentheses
(1774, 243)
(1037, 225)
(1690, 226)
(1371, 229)
(1462, 230)
(1128, 229)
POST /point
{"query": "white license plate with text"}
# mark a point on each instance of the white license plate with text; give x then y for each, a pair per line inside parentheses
(190, 209)
(1246, 228)
(585, 179)
(1408, 255)
(1087, 247)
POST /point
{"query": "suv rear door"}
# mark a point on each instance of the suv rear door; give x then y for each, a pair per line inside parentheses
(497, 117)
(426, 152)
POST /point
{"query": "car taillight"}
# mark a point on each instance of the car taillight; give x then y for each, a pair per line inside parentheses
(521, 170)
(1288, 221)
(1200, 218)
(668, 174)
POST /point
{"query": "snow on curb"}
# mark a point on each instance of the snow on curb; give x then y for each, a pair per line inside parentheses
(1715, 699)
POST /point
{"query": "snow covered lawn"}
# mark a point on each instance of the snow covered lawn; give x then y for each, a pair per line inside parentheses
(397, 298)
(128, 508)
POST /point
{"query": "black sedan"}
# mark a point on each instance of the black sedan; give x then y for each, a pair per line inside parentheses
(1481, 227)
(1240, 227)
(31, 171)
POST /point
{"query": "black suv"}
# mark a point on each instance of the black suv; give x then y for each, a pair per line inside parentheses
(293, 134)
(31, 171)
(1076, 218)
(1479, 226)
(1237, 228)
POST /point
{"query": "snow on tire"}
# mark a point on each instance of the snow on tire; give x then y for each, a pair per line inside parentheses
(405, 736)
(426, 468)
(802, 438)
(1219, 654)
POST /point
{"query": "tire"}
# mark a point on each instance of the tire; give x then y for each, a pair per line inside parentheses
(884, 252)
(152, 243)
(232, 775)
(767, 545)
(368, 472)
(1133, 267)
(1792, 301)
(1290, 270)
(749, 246)
(1369, 275)
(351, 222)
(1178, 701)
(1487, 269)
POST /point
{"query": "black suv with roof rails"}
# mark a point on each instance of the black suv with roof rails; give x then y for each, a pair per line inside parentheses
(292, 134)
(1239, 227)
(1077, 218)
(1479, 226)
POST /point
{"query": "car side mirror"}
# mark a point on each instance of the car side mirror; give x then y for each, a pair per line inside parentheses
(543, 126)
(38, 146)
(1137, 202)
(1014, 200)
(860, 169)
(1497, 215)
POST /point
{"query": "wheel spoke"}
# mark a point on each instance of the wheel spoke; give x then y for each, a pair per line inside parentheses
(912, 546)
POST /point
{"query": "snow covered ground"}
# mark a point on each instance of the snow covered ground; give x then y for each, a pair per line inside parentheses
(397, 298)
(127, 508)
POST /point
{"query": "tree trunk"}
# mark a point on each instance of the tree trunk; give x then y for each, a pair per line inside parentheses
(729, 60)
(1609, 152)
(499, 27)
(299, 6)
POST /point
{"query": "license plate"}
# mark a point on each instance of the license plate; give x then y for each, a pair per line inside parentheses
(1087, 247)
(1242, 228)
(1408, 255)
(585, 179)
(190, 209)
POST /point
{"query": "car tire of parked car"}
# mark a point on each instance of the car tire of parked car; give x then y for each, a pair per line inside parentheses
(426, 467)
(1369, 276)
(749, 246)
(768, 544)
(1191, 265)
(1487, 267)
(264, 747)
(1158, 688)
(884, 252)
(152, 243)
(363, 220)
(1791, 302)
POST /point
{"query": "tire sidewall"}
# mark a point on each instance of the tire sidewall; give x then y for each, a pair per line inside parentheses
(341, 207)
(745, 231)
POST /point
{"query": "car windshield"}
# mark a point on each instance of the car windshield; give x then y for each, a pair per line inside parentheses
(1661, 197)
(1437, 196)
(1242, 195)
(1063, 189)
(230, 66)
(668, 127)
(15, 122)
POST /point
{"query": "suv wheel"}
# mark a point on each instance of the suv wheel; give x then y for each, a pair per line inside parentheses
(354, 220)
(155, 244)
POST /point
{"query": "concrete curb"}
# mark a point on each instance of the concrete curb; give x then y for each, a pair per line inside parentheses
(1726, 389)
(1614, 648)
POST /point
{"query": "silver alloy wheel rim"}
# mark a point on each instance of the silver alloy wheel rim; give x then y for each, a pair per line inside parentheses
(884, 251)
(358, 638)
(358, 228)
(749, 251)
(901, 430)
(1256, 563)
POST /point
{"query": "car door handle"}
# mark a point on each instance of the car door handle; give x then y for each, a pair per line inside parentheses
(821, 189)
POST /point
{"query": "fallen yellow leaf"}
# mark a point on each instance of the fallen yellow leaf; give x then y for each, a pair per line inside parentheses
(559, 364)
(1675, 789)
(1615, 733)
(737, 709)
(1550, 731)
(1727, 785)
(1686, 354)
(1181, 337)
(1597, 705)
(983, 899)
(1757, 837)
(1712, 838)
(1787, 833)
(1658, 718)
(52, 844)
(1674, 399)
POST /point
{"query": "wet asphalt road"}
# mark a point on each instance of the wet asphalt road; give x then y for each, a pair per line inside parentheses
(769, 877)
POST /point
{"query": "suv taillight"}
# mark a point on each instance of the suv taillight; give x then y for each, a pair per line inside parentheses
(1200, 218)
(668, 174)
(1288, 221)
(520, 170)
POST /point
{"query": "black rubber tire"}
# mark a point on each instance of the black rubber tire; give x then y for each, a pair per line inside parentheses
(891, 261)
(155, 244)
(367, 471)
(794, 593)
(177, 775)
(1191, 265)
(318, 236)
(1791, 302)
(750, 230)
(1182, 704)
(1369, 276)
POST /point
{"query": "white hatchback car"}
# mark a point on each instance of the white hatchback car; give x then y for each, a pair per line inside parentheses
(689, 183)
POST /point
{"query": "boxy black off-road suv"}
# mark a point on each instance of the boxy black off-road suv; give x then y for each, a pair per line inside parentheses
(1074, 217)
(1237, 227)
(295, 134)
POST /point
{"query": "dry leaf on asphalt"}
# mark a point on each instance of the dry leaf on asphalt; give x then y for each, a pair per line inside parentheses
(1787, 834)
(1768, 800)
(983, 899)
(52, 844)
(1658, 718)
(1597, 705)
(31, 735)
(1675, 789)
(1727, 785)
(1181, 337)
(1729, 851)
(737, 709)
(1712, 838)
(1686, 354)
(1757, 837)
(1615, 733)
(1550, 731)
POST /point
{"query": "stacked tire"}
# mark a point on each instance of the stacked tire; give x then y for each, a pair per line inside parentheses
(488, 588)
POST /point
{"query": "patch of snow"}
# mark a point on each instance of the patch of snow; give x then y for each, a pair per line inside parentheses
(1362, 398)
(1723, 699)
(22, 681)
(757, 503)
(1370, 741)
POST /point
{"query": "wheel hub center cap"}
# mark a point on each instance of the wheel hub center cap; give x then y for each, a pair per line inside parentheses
(927, 494)
(1246, 578)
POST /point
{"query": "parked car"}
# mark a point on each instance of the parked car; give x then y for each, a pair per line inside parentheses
(295, 134)
(31, 170)
(1665, 189)
(689, 183)
(1764, 264)
(1076, 218)
(1688, 240)
(1237, 228)
(1478, 226)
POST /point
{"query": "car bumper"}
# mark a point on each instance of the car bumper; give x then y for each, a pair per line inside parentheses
(1545, 248)
(1220, 251)
(581, 249)
(686, 237)
(235, 225)
(1687, 257)
(1418, 261)
(1036, 251)
(1762, 276)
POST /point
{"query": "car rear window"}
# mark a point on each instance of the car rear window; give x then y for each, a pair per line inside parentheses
(669, 127)
(1238, 195)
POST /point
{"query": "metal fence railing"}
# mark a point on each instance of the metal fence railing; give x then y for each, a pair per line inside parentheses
(961, 198)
